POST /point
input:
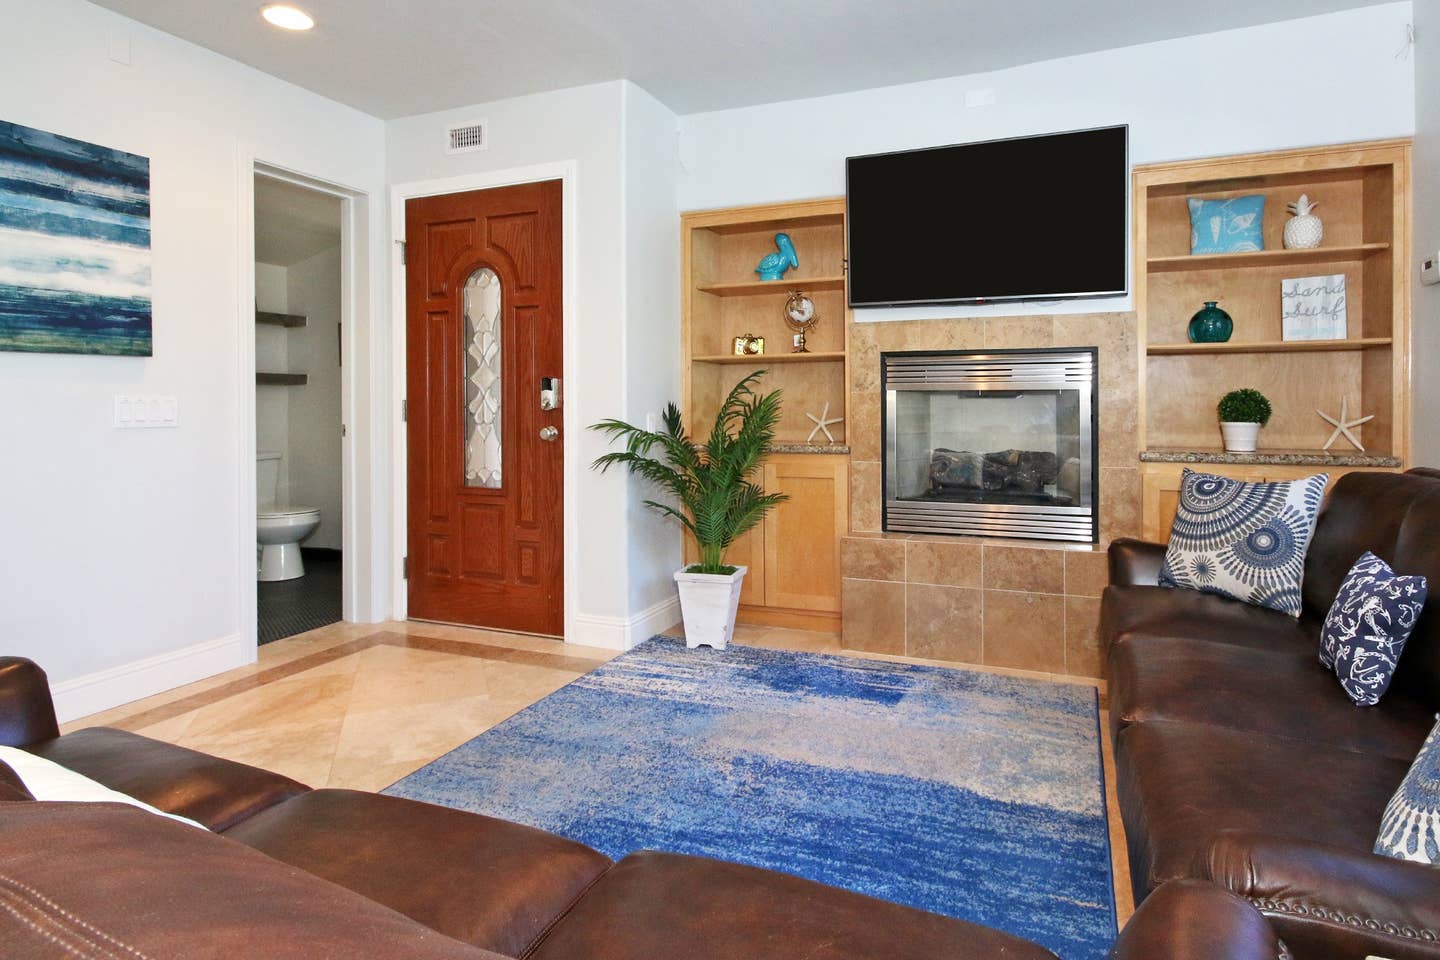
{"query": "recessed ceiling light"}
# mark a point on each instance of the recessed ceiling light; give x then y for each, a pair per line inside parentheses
(287, 17)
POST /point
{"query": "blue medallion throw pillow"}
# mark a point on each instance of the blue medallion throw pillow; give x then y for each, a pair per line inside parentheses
(1367, 627)
(1410, 829)
(1227, 226)
(1246, 541)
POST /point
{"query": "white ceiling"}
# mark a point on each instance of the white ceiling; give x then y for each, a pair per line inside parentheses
(394, 59)
(292, 223)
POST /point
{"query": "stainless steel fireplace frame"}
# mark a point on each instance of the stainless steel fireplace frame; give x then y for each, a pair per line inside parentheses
(999, 371)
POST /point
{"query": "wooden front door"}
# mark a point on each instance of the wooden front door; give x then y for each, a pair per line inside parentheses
(486, 522)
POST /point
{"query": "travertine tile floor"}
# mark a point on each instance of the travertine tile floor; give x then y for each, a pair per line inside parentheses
(362, 705)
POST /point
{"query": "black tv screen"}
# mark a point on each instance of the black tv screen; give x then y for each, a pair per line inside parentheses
(1031, 218)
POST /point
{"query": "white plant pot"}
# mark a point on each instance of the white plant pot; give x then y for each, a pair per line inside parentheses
(708, 602)
(1239, 437)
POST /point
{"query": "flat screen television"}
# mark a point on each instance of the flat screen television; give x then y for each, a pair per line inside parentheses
(1031, 218)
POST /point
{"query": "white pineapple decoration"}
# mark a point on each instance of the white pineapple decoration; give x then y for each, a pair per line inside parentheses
(1304, 230)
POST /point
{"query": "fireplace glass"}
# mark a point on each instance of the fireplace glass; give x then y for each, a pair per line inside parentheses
(991, 444)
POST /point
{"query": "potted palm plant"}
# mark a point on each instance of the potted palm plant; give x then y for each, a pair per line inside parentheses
(1242, 413)
(715, 496)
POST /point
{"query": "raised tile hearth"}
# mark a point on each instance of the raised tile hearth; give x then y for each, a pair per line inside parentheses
(986, 602)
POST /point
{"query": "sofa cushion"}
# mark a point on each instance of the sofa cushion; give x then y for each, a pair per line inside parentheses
(46, 780)
(11, 786)
(1195, 920)
(1180, 784)
(1410, 829)
(1363, 511)
(1242, 539)
(1143, 612)
(492, 883)
(1417, 551)
(26, 711)
(1368, 624)
(667, 905)
(217, 793)
(1276, 693)
(109, 881)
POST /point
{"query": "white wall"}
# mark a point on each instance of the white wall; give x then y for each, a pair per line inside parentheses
(272, 355)
(1426, 316)
(1232, 92)
(584, 125)
(626, 292)
(121, 572)
(652, 329)
(313, 438)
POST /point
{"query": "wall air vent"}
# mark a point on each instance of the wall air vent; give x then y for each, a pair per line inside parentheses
(467, 138)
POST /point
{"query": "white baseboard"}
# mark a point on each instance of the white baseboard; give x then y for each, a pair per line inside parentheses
(624, 633)
(112, 687)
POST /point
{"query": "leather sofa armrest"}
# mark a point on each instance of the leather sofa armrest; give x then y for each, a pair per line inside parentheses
(27, 715)
(1196, 920)
(1331, 901)
(1135, 563)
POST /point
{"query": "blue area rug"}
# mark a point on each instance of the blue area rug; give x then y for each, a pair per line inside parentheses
(973, 795)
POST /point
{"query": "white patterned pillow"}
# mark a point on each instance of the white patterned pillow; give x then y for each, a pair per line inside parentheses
(1410, 829)
(1246, 541)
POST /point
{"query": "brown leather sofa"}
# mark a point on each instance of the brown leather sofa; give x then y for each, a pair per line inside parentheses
(297, 873)
(1241, 761)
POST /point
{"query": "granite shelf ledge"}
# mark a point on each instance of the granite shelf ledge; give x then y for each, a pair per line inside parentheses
(1272, 458)
(839, 448)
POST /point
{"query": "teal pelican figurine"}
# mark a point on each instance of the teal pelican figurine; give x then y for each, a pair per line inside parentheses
(773, 265)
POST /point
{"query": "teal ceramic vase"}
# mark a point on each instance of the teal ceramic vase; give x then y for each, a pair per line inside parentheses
(1211, 324)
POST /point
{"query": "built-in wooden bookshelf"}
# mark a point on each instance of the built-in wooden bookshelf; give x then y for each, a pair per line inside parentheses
(724, 300)
(794, 557)
(1364, 196)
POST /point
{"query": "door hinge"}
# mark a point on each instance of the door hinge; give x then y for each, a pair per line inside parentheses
(405, 410)
(403, 256)
(342, 429)
(404, 568)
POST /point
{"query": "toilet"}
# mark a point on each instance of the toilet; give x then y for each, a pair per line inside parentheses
(279, 528)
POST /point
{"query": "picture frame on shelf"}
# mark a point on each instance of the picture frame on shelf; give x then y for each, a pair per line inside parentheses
(1313, 308)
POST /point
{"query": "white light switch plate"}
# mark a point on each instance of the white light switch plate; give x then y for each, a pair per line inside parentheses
(1430, 269)
(146, 412)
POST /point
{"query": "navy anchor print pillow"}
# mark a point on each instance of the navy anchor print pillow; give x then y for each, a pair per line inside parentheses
(1367, 627)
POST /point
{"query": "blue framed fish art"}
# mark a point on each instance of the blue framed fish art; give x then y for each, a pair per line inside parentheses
(74, 246)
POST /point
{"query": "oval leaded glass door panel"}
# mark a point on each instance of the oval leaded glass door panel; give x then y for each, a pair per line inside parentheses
(483, 426)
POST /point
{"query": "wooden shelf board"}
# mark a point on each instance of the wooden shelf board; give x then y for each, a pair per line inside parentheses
(280, 379)
(1267, 346)
(785, 286)
(1262, 258)
(769, 358)
(279, 319)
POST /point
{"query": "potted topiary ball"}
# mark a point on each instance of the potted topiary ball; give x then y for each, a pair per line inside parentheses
(1242, 413)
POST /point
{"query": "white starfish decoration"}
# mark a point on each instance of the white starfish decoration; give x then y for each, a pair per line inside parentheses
(1342, 425)
(822, 424)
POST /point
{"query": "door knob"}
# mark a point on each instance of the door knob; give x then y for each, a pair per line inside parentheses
(549, 434)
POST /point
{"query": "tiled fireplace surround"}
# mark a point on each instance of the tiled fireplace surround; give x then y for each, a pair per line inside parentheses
(1009, 603)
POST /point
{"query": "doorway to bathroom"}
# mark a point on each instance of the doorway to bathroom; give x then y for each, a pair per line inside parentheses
(299, 364)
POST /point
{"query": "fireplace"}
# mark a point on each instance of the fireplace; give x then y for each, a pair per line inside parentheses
(998, 443)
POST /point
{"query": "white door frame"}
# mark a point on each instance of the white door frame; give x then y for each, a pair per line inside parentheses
(357, 533)
(566, 172)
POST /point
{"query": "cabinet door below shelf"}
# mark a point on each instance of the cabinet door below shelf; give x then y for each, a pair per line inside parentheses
(747, 551)
(1160, 488)
(802, 535)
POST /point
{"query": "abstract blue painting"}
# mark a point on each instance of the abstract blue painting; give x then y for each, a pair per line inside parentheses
(74, 246)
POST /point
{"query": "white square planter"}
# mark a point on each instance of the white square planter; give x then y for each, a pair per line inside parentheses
(708, 602)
